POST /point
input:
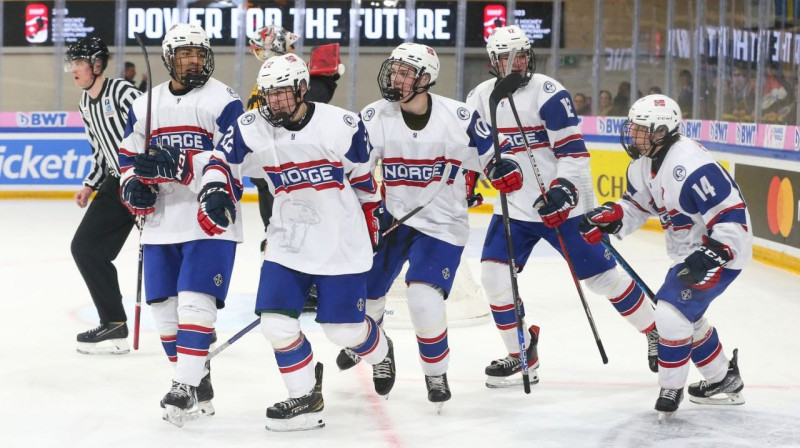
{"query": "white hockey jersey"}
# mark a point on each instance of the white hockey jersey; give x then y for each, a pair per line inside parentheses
(414, 162)
(553, 132)
(320, 175)
(693, 196)
(195, 121)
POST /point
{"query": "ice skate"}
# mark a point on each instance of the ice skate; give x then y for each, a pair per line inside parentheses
(652, 349)
(729, 388)
(106, 339)
(301, 413)
(438, 390)
(178, 402)
(383, 373)
(667, 403)
(205, 393)
(503, 372)
(347, 359)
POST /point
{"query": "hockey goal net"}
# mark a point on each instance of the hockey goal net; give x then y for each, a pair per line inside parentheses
(466, 304)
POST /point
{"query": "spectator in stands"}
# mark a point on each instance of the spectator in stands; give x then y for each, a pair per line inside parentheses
(655, 90)
(685, 93)
(130, 74)
(775, 98)
(605, 104)
(743, 95)
(582, 104)
(622, 101)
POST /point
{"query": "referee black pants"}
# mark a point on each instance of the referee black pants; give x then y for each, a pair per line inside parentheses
(97, 242)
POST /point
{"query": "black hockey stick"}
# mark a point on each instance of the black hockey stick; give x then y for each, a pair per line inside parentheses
(445, 178)
(147, 123)
(627, 268)
(234, 338)
(503, 88)
(558, 233)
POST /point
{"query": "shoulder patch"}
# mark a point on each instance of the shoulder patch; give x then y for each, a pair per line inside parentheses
(368, 114)
(233, 93)
(463, 113)
(248, 118)
(549, 87)
(471, 92)
(349, 120)
(679, 173)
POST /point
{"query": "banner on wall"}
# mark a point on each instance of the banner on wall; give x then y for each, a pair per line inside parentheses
(772, 197)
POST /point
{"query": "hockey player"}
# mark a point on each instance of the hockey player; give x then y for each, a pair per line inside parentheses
(186, 271)
(422, 139)
(315, 159)
(104, 228)
(552, 130)
(709, 239)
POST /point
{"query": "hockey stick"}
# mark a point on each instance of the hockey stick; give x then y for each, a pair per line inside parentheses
(433, 194)
(503, 88)
(558, 231)
(627, 268)
(147, 123)
(234, 338)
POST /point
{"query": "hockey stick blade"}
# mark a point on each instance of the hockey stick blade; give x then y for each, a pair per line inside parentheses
(504, 87)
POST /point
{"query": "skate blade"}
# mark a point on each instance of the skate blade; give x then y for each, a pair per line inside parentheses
(107, 347)
(502, 382)
(302, 422)
(724, 399)
(202, 409)
(438, 406)
(664, 417)
(174, 415)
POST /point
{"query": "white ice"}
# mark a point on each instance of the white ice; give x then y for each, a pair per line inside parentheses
(52, 396)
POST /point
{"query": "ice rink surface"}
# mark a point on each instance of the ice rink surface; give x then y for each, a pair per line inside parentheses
(52, 396)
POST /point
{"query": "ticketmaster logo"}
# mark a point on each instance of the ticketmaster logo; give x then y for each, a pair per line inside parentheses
(26, 166)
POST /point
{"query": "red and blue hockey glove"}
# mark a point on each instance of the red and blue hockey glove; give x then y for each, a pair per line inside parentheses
(562, 197)
(471, 179)
(702, 266)
(604, 219)
(216, 211)
(505, 176)
(138, 197)
(162, 164)
(378, 220)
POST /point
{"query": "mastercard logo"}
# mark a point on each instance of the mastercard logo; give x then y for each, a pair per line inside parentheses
(780, 206)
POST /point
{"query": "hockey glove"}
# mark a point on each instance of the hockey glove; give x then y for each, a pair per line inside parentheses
(378, 220)
(473, 199)
(138, 197)
(217, 210)
(164, 164)
(701, 267)
(562, 197)
(604, 219)
(505, 176)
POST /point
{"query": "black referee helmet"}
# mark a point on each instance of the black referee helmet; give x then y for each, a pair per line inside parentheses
(91, 49)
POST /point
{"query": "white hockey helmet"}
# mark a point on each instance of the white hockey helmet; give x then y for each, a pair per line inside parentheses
(421, 58)
(287, 70)
(272, 40)
(187, 35)
(657, 115)
(505, 40)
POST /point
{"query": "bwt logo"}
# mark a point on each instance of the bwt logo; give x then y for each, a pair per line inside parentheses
(796, 138)
(718, 131)
(41, 119)
(610, 126)
(775, 136)
(691, 128)
(746, 134)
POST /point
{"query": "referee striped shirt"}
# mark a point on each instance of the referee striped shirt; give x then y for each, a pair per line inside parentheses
(104, 118)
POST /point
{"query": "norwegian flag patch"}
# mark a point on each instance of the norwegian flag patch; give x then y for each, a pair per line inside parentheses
(660, 103)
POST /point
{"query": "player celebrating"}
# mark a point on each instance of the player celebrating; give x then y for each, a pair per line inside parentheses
(104, 228)
(315, 159)
(709, 239)
(553, 133)
(423, 139)
(187, 272)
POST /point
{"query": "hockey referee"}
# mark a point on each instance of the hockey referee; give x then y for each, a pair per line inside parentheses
(105, 226)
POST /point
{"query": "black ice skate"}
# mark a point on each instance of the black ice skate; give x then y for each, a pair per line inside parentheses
(301, 413)
(730, 387)
(652, 349)
(106, 339)
(383, 373)
(502, 372)
(667, 403)
(205, 393)
(438, 390)
(180, 399)
(347, 359)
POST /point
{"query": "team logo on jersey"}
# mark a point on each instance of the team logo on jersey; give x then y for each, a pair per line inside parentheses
(318, 175)
(549, 87)
(416, 173)
(446, 273)
(108, 111)
(679, 173)
(349, 120)
(360, 304)
(686, 294)
(463, 113)
(296, 218)
(233, 93)
(218, 279)
(368, 114)
(248, 118)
